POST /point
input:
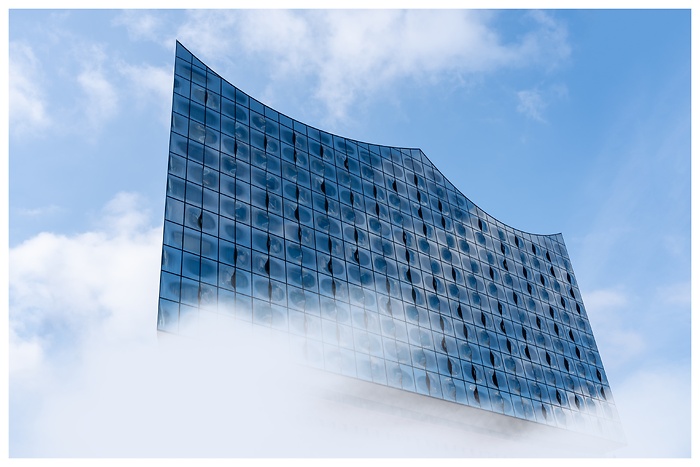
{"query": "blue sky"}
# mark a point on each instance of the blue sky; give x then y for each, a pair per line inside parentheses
(572, 121)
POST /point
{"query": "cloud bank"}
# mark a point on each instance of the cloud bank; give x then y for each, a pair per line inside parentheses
(345, 58)
(351, 54)
(28, 107)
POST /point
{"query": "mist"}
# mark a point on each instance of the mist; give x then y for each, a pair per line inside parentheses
(237, 391)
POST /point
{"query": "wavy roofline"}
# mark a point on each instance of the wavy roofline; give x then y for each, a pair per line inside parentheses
(558, 236)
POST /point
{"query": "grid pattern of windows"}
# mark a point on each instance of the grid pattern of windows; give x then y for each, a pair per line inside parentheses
(373, 258)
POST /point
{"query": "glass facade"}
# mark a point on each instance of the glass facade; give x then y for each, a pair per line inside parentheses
(370, 258)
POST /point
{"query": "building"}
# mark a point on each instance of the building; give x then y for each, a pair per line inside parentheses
(377, 266)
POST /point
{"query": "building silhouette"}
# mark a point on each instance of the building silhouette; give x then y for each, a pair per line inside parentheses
(376, 266)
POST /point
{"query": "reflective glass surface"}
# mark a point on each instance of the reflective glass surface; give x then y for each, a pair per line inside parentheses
(372, 260)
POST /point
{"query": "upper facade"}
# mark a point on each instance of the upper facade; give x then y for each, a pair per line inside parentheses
(372, 259)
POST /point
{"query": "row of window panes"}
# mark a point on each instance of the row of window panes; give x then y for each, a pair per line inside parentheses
(274, 199)
(318, 261)
(196, 267)
(435, 201)
(390, 148)
(207, 246)
(358, 195)
(241, 208)
(195, 298)
(226, 249)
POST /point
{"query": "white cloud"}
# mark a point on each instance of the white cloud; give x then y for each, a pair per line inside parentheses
(350, 54)
(140, 24)
(620, 342)
(622, 346)
(532, 104)
(654, 407)
(604, 300)
(152, 85)
(86, 84)
(547, 44)
(28, 106)
(26, 353)
(675, 294)
(92, 96)
(39, 212)
(215, 32)
(633, 327)
(63, 288)
(101, 96)
(35, 108)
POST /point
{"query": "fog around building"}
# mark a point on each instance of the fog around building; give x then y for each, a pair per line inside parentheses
(107, 385)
